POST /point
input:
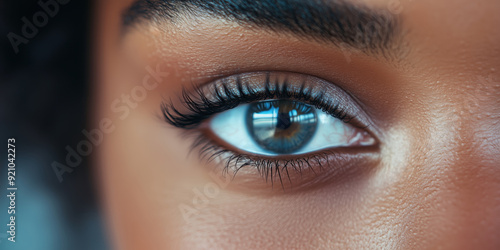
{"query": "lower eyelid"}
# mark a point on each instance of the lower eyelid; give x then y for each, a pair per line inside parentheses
(333, 162)
(250, 173)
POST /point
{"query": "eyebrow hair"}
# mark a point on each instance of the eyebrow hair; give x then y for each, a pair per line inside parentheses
(338, 22)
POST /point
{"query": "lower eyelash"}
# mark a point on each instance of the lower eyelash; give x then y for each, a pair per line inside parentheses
(269, 169)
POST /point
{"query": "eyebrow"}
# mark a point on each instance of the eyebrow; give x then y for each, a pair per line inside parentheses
(339, 22)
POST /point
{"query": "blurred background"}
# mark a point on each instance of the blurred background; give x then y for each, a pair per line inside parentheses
(44, 88)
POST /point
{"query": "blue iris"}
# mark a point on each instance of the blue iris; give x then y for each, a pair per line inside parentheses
(281, 126)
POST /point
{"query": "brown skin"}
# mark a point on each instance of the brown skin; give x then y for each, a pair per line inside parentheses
(433, 182)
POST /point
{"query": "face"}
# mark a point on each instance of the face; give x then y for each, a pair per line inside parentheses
(300, 124)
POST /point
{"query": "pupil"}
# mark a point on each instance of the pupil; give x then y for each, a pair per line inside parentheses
(281, 126)
(283, 120)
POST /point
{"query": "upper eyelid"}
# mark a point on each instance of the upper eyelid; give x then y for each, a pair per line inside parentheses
(192, 100)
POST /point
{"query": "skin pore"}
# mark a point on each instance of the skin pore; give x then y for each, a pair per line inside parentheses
(431, 100)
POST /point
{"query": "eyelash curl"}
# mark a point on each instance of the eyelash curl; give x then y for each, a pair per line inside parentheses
(221, 97)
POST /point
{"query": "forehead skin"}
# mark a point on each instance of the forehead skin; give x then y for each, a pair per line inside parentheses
(436, 185)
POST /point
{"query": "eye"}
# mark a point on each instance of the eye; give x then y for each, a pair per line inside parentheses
(276, 124)
(284, 127)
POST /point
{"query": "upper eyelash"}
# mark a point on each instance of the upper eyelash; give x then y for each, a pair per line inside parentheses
(201, 107)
